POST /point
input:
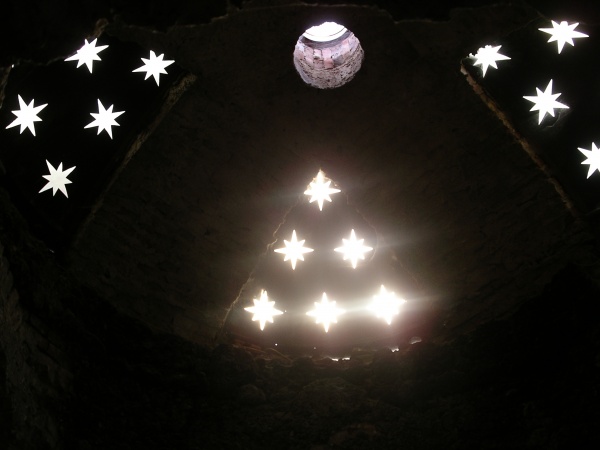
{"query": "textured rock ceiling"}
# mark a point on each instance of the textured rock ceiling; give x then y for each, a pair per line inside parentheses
(467, 225)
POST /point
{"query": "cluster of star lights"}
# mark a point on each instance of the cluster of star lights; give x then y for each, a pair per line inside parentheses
(545, 102)
(385, 304)
(104, 119)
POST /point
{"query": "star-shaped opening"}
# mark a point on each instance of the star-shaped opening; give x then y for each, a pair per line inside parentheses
(57, 179)
(326, 312)
(87, 54)
(593, 159)
(353, 249)
(263, 310)
(545, 102)
(386, 305)
(154, 66)
(26, 116)
(104, 119)
(294, 250)
(487, 57)
(563, 33)
(319, 189)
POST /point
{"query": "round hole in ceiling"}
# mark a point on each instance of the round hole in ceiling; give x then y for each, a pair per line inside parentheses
(328, 55)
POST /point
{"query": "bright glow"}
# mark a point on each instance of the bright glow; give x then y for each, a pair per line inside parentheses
(415, 340)
(325, 312)
(154, 66)
(263, 310)
(353, 249)
(593, 159)
(386, 305)
(57, 179)
(563, 33)
(319, 189)
(294, 250)
(87, 54)
(545, 102)
(327, 31)
(104, 119)
(487, 57)
(26, 116)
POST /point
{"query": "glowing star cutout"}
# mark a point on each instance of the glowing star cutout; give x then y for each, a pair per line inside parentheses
(319, 189)
(593, 159)
(104, 119)
(487, 57)
(545, 102)
(325, 312)
(294, 250)
(87, 54)
(57, 179)
(154, 66)
(263, 310)
(386, 305)
(353, 249)
(26, 116)
(563, 33)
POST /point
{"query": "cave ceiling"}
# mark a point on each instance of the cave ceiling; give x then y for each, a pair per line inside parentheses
(468, 206)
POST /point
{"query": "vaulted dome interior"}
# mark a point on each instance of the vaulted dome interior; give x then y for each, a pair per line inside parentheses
(458, 236)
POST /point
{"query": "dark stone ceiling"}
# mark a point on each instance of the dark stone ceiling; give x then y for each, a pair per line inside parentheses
(183, 230)
(116, 331)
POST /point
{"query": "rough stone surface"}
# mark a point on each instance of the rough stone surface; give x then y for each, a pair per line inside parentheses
(112, 346)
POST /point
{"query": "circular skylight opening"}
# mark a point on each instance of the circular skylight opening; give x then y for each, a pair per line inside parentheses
(327, 31)
(327, 56)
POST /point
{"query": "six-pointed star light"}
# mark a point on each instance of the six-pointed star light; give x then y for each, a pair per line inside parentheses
(319, 189)
(563, 33)
(294, 250)
(325, 312)
(27, 115)
(104, 119)
(154, 66)
(57, 179)
(487, 57)
(593, 159)
(263, 310)
(353, 249)
(87, 54)
(386, 305)
(545, 102)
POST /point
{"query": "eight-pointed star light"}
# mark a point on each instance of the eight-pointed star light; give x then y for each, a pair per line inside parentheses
(294, 250)
(104, 119)
(57, 179)
(353, 249)
(263, 310)
(487, 57)
(563, 33)
(545, 102)
(593, 159)
(386, 305)
(325, 312)
(154, 66)
(319, 189)
(27, 115)
(87, 54)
